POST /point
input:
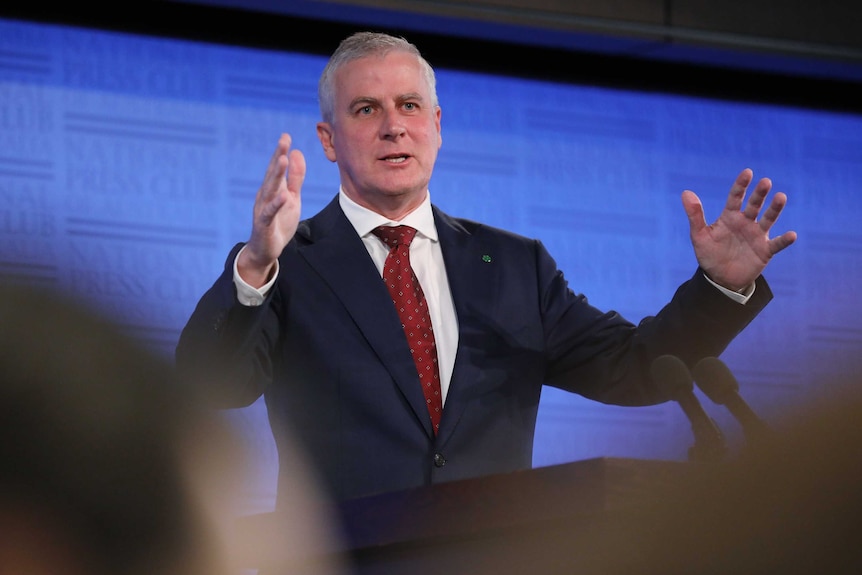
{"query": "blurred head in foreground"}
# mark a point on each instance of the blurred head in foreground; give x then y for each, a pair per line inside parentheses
(106, 466)
(791, 504)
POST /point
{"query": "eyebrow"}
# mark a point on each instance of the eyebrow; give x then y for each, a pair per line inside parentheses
(371, 100)
(362, 100)
(410, 96)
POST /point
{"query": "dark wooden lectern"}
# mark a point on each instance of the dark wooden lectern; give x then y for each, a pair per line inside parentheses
(554, 519)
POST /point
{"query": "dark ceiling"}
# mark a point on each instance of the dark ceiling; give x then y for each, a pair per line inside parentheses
(799, 53)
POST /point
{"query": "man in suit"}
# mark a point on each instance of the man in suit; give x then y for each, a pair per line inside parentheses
(301, 315)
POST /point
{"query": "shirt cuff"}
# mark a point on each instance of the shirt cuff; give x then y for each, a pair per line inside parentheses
(246, 294)
(735, 296)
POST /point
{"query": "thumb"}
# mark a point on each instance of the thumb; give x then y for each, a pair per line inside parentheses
(694, 210)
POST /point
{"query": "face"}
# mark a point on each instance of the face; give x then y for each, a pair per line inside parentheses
(385, 133)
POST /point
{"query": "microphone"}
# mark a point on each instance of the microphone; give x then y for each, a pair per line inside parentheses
(675, 380)
(718, 383)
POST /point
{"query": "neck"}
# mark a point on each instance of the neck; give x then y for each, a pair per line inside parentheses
(394, 207)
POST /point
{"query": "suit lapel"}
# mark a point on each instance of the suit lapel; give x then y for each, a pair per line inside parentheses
(332, 248)
(471, 281)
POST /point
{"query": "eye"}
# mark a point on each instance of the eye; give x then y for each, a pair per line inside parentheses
(409, 106)
(365, 110)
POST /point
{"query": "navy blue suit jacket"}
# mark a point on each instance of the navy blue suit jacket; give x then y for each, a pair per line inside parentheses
(327, 351)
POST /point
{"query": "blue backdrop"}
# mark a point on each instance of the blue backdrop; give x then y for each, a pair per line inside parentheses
(129, 164)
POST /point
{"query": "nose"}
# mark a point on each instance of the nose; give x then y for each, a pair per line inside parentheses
(392, 125)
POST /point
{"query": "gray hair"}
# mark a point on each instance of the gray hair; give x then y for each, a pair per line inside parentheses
(361, 45)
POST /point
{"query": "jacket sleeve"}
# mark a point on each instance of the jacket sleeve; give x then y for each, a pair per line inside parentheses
(222, 349)
(605, 357)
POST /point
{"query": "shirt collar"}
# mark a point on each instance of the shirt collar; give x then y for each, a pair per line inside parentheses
(365, 220)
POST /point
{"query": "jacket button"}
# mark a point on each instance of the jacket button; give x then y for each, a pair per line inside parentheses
(439, 460)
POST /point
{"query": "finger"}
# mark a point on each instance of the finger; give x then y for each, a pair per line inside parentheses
(277, 168)
(770, 216)
(271, 206)
(296, 171)
(737, 190)
(755, 201)
(779, 243)
(694, 210)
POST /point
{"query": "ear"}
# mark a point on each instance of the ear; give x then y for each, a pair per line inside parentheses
(327, 139)
(438, 114)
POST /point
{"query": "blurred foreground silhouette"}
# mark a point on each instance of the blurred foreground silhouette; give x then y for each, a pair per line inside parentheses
(788, 504)
(108, 466)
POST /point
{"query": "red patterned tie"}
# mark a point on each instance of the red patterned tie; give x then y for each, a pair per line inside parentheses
(410, 302)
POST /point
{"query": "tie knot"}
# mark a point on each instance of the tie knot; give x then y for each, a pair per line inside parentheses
(395, 235)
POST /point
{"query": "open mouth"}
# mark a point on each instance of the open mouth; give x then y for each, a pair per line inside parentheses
(396, 159)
